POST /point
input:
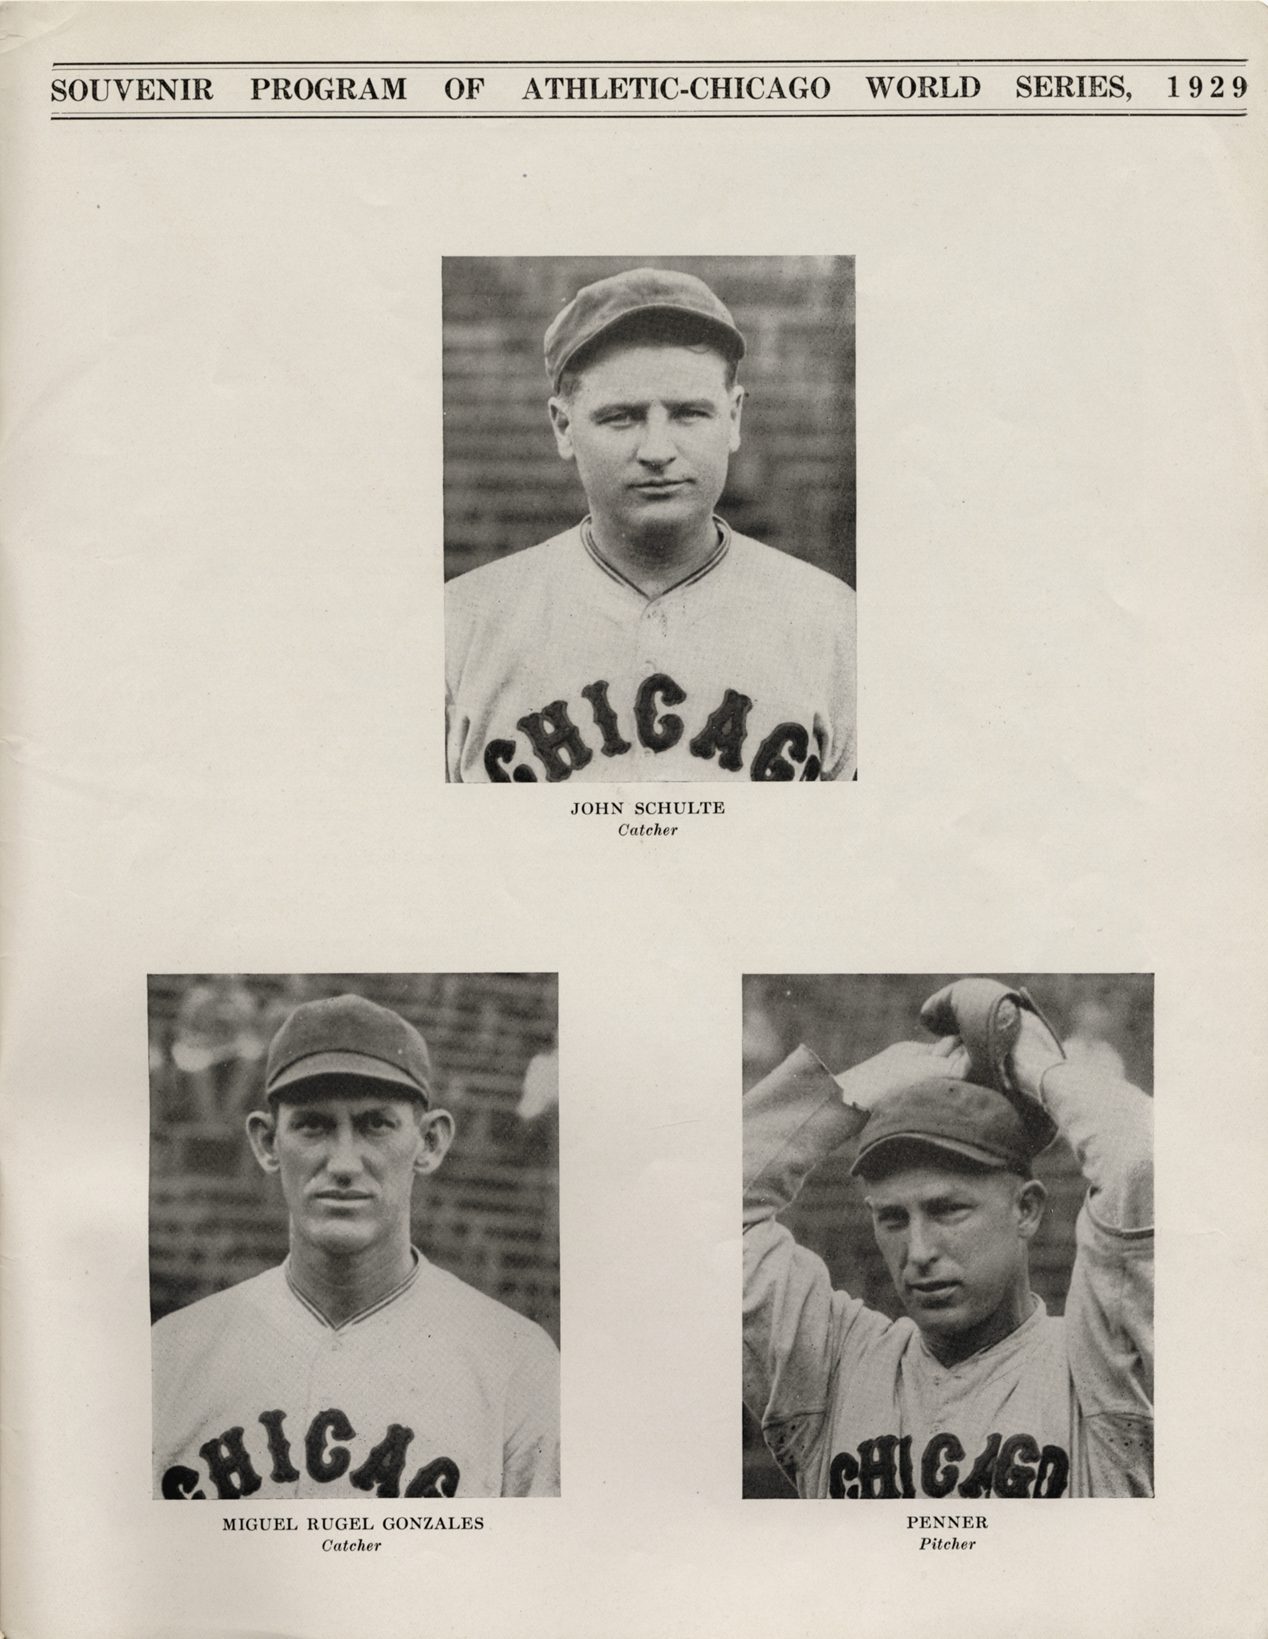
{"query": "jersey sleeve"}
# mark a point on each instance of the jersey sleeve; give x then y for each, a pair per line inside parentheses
(169, 1370)
(1109, 1311)
(457, 640)
(795, 1324)
(841, 753)
(530, 1457)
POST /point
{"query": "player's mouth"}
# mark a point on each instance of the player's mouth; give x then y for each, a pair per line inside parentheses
(661, 486)
(341, 1197)
(930, 1293)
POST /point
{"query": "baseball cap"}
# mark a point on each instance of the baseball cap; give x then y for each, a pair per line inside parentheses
(349, 1036)
(956, 1116)
(598, 307)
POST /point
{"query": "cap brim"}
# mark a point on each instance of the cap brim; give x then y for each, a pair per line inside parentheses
(733, 342)
(928, 1141)
(345, 1064)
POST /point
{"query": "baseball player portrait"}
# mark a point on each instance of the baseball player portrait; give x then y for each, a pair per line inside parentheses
(354, 1368)
(959, 1383)
(650, 638)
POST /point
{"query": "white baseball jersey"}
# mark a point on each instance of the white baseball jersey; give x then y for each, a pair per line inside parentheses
(558, 668)
(436, 1391)
(853, 1404)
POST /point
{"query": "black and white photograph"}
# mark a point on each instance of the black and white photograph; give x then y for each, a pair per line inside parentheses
(641, 401)
(354, 1236)
(649, 518)
(948, 1237)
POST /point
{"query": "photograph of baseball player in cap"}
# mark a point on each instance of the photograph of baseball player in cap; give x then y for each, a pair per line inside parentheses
(635, 592)
(303, 1345)
(958, 1301)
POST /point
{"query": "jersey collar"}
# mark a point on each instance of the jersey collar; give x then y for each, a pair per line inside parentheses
(710, 563)
(364, 1314)
(1018, 1338)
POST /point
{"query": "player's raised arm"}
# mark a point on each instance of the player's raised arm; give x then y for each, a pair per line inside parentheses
(794, 1322)
(1108, 1123)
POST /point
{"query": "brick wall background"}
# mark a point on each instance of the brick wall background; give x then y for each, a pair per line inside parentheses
(490, 1215)
(846, 1019)
(791, 484)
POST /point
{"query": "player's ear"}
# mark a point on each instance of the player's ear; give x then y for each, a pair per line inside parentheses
(436, 1128)
(262, 1131)
(737, 404)
(561, 421)
(1032, 1197)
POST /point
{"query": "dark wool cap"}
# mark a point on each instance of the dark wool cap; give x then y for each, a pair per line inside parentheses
(349, 1036)
(956, 1116)
(642, 291)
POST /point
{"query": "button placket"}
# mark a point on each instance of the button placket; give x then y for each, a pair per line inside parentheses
(653, 629)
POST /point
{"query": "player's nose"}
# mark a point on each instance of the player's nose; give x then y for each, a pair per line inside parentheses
(343, 1157)
(921, 1248)
(655, 444)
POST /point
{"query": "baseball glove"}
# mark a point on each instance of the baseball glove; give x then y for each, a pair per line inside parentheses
(987, 1017)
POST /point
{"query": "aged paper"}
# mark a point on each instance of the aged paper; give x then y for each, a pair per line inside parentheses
(224, 534)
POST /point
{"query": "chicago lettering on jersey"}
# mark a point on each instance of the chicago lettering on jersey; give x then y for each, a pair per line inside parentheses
(561, 749)
(233, 1473)
(1015, 1467)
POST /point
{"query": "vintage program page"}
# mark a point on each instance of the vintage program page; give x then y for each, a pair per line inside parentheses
(556, 1214)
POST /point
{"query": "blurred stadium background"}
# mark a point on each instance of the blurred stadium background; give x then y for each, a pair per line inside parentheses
(846, 1019)
(490, 1216)
(792, 482)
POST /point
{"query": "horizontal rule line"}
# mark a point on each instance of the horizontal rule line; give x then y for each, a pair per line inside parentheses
(721, 113)
(681, 62)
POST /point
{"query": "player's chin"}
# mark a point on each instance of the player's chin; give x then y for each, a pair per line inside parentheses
(942, 1312)
(343, 1238)
(679, 505)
